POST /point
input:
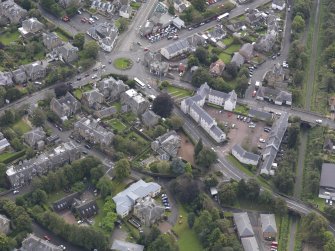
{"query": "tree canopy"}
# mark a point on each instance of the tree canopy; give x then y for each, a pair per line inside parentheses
(163, 105)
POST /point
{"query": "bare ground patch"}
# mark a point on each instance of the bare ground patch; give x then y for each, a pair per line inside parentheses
(186, 151)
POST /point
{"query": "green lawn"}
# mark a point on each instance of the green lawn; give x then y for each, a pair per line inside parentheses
(233, 48)
(135, 5)
(56, 196)
(21, 127)
(117, 106)
(241, 109)
(7, 37)
(226, 58)
(122, 63)
(116, 124)
(4, 157)
(129, 117)
(62, 35)
(187, 238)
(178, 92)
(78, 93)
(228, 41)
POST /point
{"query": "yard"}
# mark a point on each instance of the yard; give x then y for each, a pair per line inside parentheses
(62, 35)
(178, 93)
(7, 37)
(226, 58)
(78, 93)
(21, 127)
(116, 124)
(135, 5)
(228, 41)
(187, 238)
(232, 48)
(7, 157)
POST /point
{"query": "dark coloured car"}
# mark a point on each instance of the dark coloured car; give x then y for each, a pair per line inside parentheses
(88, 146)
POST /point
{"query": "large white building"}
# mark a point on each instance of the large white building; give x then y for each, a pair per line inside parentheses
(193, 107)
(244, 156)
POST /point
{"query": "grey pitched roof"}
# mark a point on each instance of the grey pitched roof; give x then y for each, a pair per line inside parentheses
(250, 244)
(149, 118)
(65, 202)
(223, 95)
(125, 200)
(278, 2)
(268, 222)
(262, 115)
(238, 59)
(86, 209)
(33, 136)
(148, 211)
(202, 113)
(119, 245)
(245, 154)
(33, 243)
(327, 175)
(217, 131)
(178, 46)
(6, 78)
(243, 225)
(4, 143)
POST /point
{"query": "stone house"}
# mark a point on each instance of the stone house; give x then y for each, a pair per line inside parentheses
(31, 27)
(106, 35)
(125, 11)
(111, 88)
(6, 78)
(4, 224)
(148, 211)
(246, 51)
(12, 12)
(65, 106)
(150, 119)
(66, 52)
(167, 145)
(19, 76)
(135, 101)
(33, 137)
(92, 99)
(51, 40)
(35, 70)
(216, 68)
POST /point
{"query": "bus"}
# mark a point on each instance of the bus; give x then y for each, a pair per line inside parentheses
(219, 18)
(139, 83)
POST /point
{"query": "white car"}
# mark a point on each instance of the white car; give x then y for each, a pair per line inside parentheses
(94, 76)
(252, 126)
(15, 192)
(261, 140)
(318, 121)
(330, 202)
(149, 86)
(62, 247)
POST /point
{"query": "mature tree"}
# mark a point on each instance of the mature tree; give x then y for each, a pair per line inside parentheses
(122, 169)
(202, 55)
(191, 219)
(123, 24)
(293, 133)
(2, 95)
(175, 122)
(242, 84)
(198, 148)
(206, 157)
(242, 189)
(266, 198)
(79, 40)
(6, 243)
(38, 117)
(232, 69)
(61, 90)
(96, 173)
(199, 5)
(298, 24)
(163, 105)
(192, 61)
(253, 189)
(26, 4)
(39, 197)
(284, 179)
(91, 50)
(177, 166)
(108, 222)
(105, 186)
(163, 243)
(185, 188)
(211, 181)
(228, 193)
(13, 94)
(8, 117)
(200, 77)
(109, 205)
(280, 206)
(3, 179)
(171, 10)
(313, 228)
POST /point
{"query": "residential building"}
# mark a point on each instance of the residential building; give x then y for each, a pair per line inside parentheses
(261, 115)
(85, 209)
(92, 131)
(126, 199)
(65, 202)
(67, 3)
(278, 4)
(328, 145)
(150, 119)
(106, 8)
(34, 243)
(217, 33)
(66, 52)
(269, 227)
(238, 59)
(51, 40)
(167, 145)
(227, 100)
(105, 112)
(182, 46)
(4, 224)
(247, 50)
(181, 5)
(92, 99)
(216, 68)
(265, 43)
(6, 78)
(125, 11)
(148, 211)
(275, 77)
(250, 244)
(65, 106)
(24, 171)
(33, 137)
(111, 88)
(327, 181)
(244, 156)
(106, 35)
(153, 61)
(19, 76)
(13, 12)
(135, 101)
(179, 23)
(31, 27)
(274, 95)
(119, 245)
(254, 18)
(243, 225)
(273, 144)
(35, 70)
(4, 144)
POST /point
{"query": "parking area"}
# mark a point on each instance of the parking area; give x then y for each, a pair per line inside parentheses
(169, 32)
(250, 135)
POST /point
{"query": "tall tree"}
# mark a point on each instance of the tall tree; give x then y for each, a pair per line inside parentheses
(6, 243)
(228, 193)
(163, 105)
(61, 90)
(122, 169)
(198, 147)
(38, 117)
(177, 166)
(313, 228)
(91, 50)
(105, 186)
(79, 40)
(206, 157)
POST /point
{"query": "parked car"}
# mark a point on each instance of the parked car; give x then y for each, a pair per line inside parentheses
(62, 247)
(47, 238)
(79, 12)
(318, 121)
(252, 126)
(261, 140)
(15, 192)
(94, 76)
(88, 146)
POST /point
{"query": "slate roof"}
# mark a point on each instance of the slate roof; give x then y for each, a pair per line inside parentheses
(262, 115)
(245, 154)
(238, 59)
(105, 112)
(327, 179)
(86, 209)
(4, 143)
(6, 78)
(250, 244)
(33, 243)
(33, 136)
(274, 94)
(119, 245)
(149, 118)
(278, 2)
(217, 131)
(65, 202)
(93, 96)
(65, 106)
(202, 113)
(243, 225)
(126, 199)
(268, 222)
(148, 211)
(167, 144)
(4, 224)
(12, 11)
(32, 25)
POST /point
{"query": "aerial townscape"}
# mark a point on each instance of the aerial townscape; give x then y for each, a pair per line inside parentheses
(167, 125)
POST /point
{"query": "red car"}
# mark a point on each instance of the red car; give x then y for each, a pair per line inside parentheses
(66, 19)
(47, 238)
(83, 20)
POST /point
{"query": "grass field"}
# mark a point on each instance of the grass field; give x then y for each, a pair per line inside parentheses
(7, 37)
(228, 41)
(116, 124)
(62, 35)
(176, 92)
(122, 63)
(226, 58)
(7, 155)
(78, 93)
(135, 5)
(187, 239)
(233, 48)
(21, 127)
